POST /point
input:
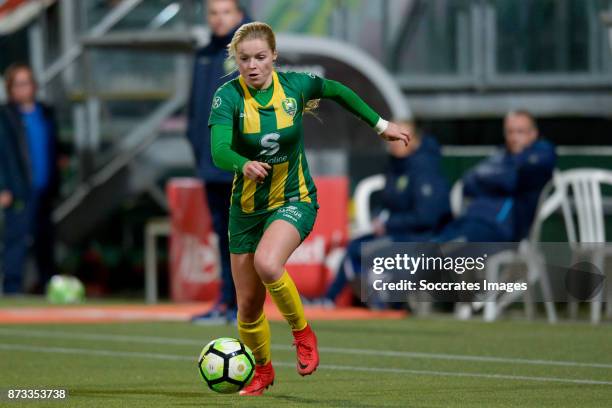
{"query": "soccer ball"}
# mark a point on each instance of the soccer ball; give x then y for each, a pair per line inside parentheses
(64, 289)
(226, 365)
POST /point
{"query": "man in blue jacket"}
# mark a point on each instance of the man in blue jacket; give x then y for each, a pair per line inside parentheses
(29, 179)
(415, 203)
(503, 190)
(211, 69)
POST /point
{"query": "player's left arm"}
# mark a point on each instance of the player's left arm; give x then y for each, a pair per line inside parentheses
(328, 89)
(350, 101)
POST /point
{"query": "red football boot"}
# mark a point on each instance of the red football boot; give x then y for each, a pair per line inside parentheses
(306, 349)
(263, 378)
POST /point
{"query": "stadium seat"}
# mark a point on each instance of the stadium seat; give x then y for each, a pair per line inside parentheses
(362, 198)
(577, 194)
(580, 199)
(525, 255)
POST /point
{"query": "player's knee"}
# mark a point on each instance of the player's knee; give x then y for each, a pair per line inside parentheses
(267, 268)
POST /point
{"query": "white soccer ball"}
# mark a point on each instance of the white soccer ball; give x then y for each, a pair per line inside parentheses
(64, 289)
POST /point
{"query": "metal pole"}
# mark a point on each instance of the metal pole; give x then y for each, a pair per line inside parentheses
(67, 37)
(37, 52)
(150, 264)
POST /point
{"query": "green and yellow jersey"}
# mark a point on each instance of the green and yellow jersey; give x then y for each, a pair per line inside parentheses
(266, 126)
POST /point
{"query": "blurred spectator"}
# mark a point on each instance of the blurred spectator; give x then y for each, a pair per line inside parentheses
(503, 190)
(210, 71)
(29, 178)
(415, 203)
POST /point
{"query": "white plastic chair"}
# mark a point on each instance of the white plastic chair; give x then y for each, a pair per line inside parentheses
(528, 257)
(578, 195)
(362, 199)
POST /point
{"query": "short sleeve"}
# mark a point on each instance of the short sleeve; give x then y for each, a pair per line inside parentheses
(222, 107)
(312, 85)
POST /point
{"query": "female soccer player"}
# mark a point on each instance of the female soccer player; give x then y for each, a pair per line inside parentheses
(256, 127)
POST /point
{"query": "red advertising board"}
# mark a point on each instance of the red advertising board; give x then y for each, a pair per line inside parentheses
(307, 264)
(194, 263)
(194, 258)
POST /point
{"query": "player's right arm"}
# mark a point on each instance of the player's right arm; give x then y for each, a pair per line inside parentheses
(226, 158)
(221, 123)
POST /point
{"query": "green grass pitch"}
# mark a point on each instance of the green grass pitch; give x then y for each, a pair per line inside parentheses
(410, 363)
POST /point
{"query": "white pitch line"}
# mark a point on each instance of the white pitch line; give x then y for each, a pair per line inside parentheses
(336, 350)
(95, 352)
(175, 357)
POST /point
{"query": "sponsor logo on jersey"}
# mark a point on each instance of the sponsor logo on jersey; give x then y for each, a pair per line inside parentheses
(270, 144)
(289, 106)
(216, 102)
(276, 160)
(291, 212)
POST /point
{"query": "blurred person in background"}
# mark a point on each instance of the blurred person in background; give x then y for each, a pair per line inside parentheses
(210, 70)
(415, 204)
(29, 179)
(503, 190)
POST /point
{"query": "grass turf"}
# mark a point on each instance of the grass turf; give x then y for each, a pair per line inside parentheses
(421, 363)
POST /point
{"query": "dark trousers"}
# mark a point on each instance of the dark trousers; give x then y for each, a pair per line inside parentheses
(27, 226)
(218, 195)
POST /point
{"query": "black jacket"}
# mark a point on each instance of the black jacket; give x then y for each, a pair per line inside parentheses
(15, 169)
(416, 193)
(505, 188)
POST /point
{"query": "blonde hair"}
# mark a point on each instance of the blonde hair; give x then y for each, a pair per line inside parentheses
(262, 31)
(251, 31)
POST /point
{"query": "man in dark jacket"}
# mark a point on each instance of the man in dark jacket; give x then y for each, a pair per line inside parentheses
(28, 178)
(211, 69)
(503, 190)
(415, 203)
